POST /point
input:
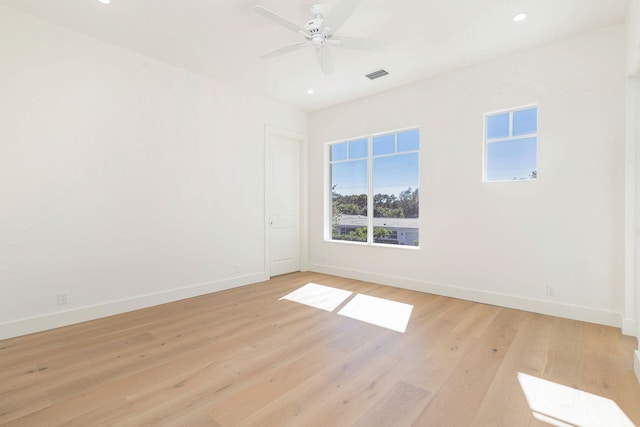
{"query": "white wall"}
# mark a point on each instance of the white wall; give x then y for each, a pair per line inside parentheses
(629, 325)
(633, 37)
(123, 180)
(632, 179)
(502, 243)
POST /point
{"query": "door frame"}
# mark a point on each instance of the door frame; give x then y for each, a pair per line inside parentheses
(270, 132)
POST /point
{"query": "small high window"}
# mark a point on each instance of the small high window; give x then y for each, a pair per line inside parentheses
(511, 145)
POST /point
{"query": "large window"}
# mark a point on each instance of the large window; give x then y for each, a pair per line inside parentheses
(511, 145)
(374, 189)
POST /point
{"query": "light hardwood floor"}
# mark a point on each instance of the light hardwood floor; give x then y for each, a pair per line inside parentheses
(245, 358)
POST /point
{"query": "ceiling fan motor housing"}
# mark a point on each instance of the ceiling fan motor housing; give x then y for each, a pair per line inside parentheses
(313, 26)
(315, 33)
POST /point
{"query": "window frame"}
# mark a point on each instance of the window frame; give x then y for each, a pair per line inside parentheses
(328, 202)
(486, 140)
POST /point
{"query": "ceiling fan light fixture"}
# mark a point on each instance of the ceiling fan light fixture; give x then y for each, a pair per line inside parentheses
(520, 17)
(311, 91)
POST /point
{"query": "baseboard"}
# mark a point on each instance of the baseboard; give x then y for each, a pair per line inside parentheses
(568, 311)
(629, 327)
(83, 314)
(636, 364)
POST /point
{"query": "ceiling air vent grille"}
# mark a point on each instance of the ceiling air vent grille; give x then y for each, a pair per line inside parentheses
(377, 74)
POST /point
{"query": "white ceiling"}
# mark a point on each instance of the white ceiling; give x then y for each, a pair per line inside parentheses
(224, 39)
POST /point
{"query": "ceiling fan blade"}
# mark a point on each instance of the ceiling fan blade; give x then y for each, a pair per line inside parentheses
(338, 15)
(283, 22)
(358, 43)
(285, 49)
(325, 60)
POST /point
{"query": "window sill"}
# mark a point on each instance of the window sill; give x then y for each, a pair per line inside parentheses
(377, 245)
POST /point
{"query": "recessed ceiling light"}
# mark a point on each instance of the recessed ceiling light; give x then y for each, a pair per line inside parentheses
(105, 1)
(311, 91)
(520, 17)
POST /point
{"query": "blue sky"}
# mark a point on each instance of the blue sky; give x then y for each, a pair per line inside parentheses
(391, 175)
(511, 159)
(511, 144)
(350, 177)
(395, 166)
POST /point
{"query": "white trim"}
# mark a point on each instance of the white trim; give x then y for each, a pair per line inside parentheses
(511, 109)
(373, 245)
(568, 311)
(267, 200)
(630, 211)
(512, 138)
(629, 327)
(327, 219)
(373, 135)
(304, 203)
(83, 314)
(370, 189)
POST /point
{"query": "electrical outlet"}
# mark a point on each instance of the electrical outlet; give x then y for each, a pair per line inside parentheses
(236, 269)
(63, 298)
(551, 291)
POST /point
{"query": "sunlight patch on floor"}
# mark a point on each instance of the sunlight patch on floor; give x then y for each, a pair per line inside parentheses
(375, 311)
(318, 296)
(378, 311)
(563, 406)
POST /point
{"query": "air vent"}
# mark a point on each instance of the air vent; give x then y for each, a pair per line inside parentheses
(377, 74)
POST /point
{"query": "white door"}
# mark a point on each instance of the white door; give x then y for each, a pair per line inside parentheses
(284, 203)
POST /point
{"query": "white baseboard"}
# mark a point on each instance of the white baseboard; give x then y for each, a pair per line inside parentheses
(636, 364)
(83, 314)
(568, 311)
(629, 327)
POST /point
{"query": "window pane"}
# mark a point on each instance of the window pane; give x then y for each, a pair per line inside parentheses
(409, 140)
(393, 174)
(395, 199)
(339, 151)
(512, 160)
(349, 177)
(384, 144)
(498, 125)
(358, 149)
(525, 121)
(349, 201)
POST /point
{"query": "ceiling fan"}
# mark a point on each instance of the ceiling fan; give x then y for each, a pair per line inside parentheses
(319, 32)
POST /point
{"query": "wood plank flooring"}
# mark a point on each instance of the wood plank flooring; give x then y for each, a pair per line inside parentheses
(244, 357)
